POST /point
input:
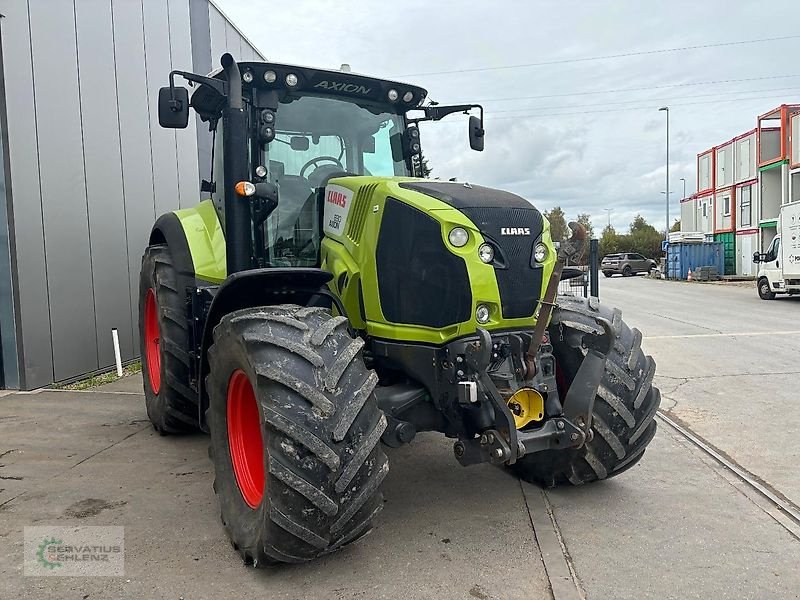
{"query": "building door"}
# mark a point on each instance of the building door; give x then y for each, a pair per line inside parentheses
(746, 252)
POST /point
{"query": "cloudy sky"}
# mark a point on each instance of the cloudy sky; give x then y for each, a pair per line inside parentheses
(585, 135)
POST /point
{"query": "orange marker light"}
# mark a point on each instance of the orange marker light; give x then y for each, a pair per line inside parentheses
(245, 188)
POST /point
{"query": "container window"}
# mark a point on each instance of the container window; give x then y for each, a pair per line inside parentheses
(726, 206)
(744, 206)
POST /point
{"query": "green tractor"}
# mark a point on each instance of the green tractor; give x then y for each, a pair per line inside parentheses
(324, 300)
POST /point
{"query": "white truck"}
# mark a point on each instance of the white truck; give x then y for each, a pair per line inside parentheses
(779, 271)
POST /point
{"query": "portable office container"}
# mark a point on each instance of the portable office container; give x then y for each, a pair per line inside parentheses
(705, 171)
(773, 134)
(723, 165)
(705, 212)
(683, 257)
(744, 157)
(724, 210)
(689, 214)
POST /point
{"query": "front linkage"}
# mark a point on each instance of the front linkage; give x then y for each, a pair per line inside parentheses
(569, 426)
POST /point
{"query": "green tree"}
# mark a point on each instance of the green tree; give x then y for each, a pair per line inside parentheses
(609, 241)
(676, 226)
(644, 238)
(558, 224)
(421, 166)
(586, 220)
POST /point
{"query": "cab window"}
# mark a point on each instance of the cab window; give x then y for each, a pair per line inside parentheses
(772, 251)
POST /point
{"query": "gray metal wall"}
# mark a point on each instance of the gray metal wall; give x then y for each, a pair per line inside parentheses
(88, 169)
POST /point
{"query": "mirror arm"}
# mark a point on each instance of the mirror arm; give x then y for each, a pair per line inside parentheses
(437, 113)
(216, 84)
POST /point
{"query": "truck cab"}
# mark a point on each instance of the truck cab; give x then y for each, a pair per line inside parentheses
(779, 270)
(770, 277)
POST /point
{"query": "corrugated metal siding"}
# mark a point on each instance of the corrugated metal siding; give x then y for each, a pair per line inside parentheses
(84, 139)
(683, 257)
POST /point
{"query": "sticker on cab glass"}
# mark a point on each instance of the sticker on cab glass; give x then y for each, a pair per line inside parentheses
(337, 204)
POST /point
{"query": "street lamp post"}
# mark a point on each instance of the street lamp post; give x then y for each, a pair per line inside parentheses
(666, 109)
(683, 179)
(608, 210)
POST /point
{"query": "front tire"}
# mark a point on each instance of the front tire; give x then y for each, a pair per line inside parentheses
(608, 273)
(623, 416)
(294, 433)
(627, 272)
(764, 291)
(164, 345)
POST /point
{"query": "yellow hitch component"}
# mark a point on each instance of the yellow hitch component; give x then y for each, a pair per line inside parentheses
(527, 406)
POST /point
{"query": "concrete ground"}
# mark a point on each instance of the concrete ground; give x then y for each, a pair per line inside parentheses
(727, 365)
(675, 526)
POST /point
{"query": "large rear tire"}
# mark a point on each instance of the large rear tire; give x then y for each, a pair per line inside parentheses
(623, 418)
(164, 345)
(294, 433)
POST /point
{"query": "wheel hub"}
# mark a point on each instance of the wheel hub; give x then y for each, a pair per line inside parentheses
(244, 439)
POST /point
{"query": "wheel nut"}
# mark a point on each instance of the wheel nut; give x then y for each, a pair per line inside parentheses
(490, 438)
(574, 437)
(560, 424)
(498, 452)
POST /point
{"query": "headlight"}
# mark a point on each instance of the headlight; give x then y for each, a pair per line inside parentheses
(540, 253)
(291, 80)
(458, 236)
(393, 95)
(247, 77)
(482, 314)
(486, 253)
(270, 76)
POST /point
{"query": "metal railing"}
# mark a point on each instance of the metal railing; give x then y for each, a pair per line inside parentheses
(587, 284)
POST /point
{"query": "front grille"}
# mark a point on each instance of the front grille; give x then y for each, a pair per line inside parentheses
(520, 281)
(420, 282)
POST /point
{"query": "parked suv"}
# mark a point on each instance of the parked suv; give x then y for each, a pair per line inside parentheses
(626, 264)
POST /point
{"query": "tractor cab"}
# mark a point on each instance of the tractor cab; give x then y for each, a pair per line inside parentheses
(297, 128)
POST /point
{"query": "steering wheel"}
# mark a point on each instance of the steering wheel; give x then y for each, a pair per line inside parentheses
(319, 159)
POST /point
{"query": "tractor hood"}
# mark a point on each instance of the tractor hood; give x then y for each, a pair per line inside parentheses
(512, 224)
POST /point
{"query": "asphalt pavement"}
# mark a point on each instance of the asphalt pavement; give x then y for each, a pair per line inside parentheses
(677, 525)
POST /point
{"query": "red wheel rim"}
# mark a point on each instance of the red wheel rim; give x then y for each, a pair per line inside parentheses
(244, 439)
(152, 340)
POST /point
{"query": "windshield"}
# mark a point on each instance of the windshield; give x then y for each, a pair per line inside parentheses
(317, 138)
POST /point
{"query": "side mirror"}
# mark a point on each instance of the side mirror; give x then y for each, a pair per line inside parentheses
(173, 107)
(756, 257)
(476, 133)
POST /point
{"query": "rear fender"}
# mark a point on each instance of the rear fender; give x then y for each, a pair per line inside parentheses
(259, 287)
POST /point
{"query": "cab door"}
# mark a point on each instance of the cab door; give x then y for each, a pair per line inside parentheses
(771, 266)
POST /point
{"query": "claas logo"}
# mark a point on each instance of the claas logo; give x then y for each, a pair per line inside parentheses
(337, 198)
